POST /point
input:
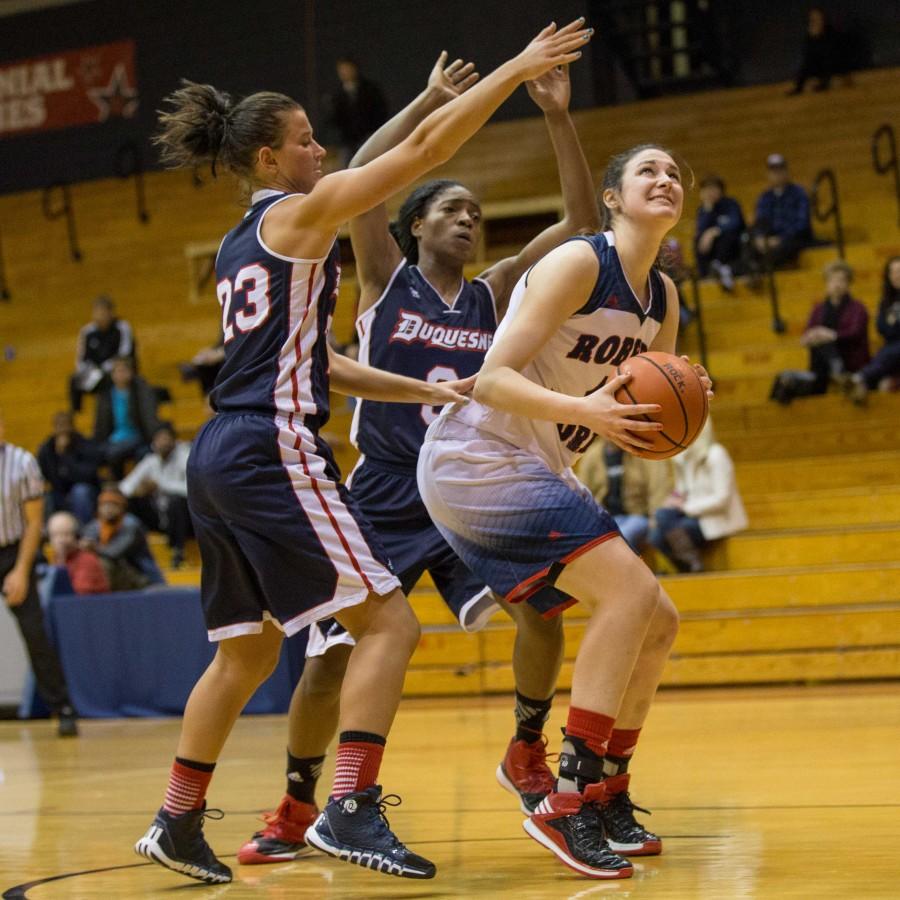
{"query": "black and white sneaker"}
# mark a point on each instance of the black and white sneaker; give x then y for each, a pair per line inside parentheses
(177, 843)
(625, 834)
(355, 829)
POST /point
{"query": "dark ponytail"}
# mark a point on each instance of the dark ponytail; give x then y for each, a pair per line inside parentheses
(204, 125)
(416, 206)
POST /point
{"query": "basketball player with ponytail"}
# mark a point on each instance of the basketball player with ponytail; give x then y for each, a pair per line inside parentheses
(496, 477)
(282, 542)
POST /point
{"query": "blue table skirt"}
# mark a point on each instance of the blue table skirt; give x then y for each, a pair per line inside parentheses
(139, 653)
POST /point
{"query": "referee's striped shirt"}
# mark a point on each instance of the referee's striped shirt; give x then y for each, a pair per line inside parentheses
(20, 481)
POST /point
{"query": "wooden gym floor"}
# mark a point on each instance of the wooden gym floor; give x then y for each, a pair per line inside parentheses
(758, 793)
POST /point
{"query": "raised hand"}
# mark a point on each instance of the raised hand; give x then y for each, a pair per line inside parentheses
(614, 421)
(552, 90)
(553, 47)
(448, 81)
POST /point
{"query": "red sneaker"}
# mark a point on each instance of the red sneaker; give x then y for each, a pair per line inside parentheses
(569, 826)
(525, 773)
(283, 837)
(626, 835)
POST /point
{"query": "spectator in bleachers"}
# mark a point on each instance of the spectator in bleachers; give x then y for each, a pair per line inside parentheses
(782, 227)
(101, 341)
(705, 505)
(358, 108)
(720, 228)
(157, 490)
(630, 488)
(837, 335)
(204, 366)
(68, 462)
(126, 417)
(118, 538)
(83, 566)
(821, 58)
(885, 365)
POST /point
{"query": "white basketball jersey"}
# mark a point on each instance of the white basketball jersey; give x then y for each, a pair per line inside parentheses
(579, 358)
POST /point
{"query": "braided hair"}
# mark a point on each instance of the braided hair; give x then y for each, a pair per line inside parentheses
(416, 206)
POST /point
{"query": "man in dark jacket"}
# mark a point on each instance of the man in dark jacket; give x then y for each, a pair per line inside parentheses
(720, 226)
(126, 417)
(103, 339)
(358, 108)
(68, 463)
(783, 226)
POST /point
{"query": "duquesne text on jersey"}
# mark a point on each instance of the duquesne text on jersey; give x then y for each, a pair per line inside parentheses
(412, 327)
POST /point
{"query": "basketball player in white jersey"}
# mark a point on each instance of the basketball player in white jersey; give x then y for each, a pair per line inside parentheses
(496, 478)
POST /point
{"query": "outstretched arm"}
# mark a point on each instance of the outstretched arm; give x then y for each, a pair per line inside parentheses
(551, 92)
(376, 251)
(305, 225)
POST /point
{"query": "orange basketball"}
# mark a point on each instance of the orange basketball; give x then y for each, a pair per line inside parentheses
(671, 382)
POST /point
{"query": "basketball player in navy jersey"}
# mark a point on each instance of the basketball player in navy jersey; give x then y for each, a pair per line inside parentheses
(282, 542)
(496, 478)
(419, 316)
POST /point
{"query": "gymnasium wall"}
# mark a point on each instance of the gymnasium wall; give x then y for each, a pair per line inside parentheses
(291, 46)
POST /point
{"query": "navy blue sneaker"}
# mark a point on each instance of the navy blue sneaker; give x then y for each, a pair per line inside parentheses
(177, 843)
(355, 829)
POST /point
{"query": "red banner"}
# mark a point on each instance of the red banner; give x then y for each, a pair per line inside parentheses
(77, 87)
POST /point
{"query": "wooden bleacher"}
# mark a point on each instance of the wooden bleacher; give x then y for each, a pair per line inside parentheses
(809, 592)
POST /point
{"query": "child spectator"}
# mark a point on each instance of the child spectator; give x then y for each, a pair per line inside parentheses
(118, 538)
(157, 490)
(103, 339)
(886, 362)
(84, 567)
(705, 505)
(68, 462)
(720, 228)
(837, 335)
(630, 488)
(126, 416)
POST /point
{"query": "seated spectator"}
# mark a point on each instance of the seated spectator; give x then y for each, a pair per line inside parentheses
(84, 567)
(99, 343)
(885, 365)
(782, 227)
(631, 489)
(126, 417)
(705, 505)
(118, 538)
(156, 489)
(68, 462)
(837, 335)
(204, 366)
(720, 228)
(821, 57)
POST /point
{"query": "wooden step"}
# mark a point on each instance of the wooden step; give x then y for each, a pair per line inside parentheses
(813, 472)
(837, 506)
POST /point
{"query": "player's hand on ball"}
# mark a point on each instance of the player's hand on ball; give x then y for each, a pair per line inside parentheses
(703, 375)
(614, 421)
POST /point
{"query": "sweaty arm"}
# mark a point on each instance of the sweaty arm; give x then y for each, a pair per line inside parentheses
(347, 376)
(580, 210)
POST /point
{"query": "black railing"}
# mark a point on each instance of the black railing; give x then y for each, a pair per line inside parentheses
(885, 137)
(55, 211)
(698, 316)
(779, 326)
(128, 163)
(833, 211)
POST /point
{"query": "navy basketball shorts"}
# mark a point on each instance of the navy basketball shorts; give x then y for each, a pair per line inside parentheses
(388, 497)
(280, 537)
(513, 521)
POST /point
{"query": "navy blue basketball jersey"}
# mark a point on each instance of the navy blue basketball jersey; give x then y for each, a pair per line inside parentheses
(276, 312)
(411, 331)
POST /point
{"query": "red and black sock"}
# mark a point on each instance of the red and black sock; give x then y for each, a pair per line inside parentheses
(622, 743)
(531, 716)
(357, 762)
(303, 774)
(187, 786)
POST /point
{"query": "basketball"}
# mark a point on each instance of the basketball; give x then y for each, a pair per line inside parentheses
(673, 383)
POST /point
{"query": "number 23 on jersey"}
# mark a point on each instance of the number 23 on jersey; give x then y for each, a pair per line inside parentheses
(251, 284)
